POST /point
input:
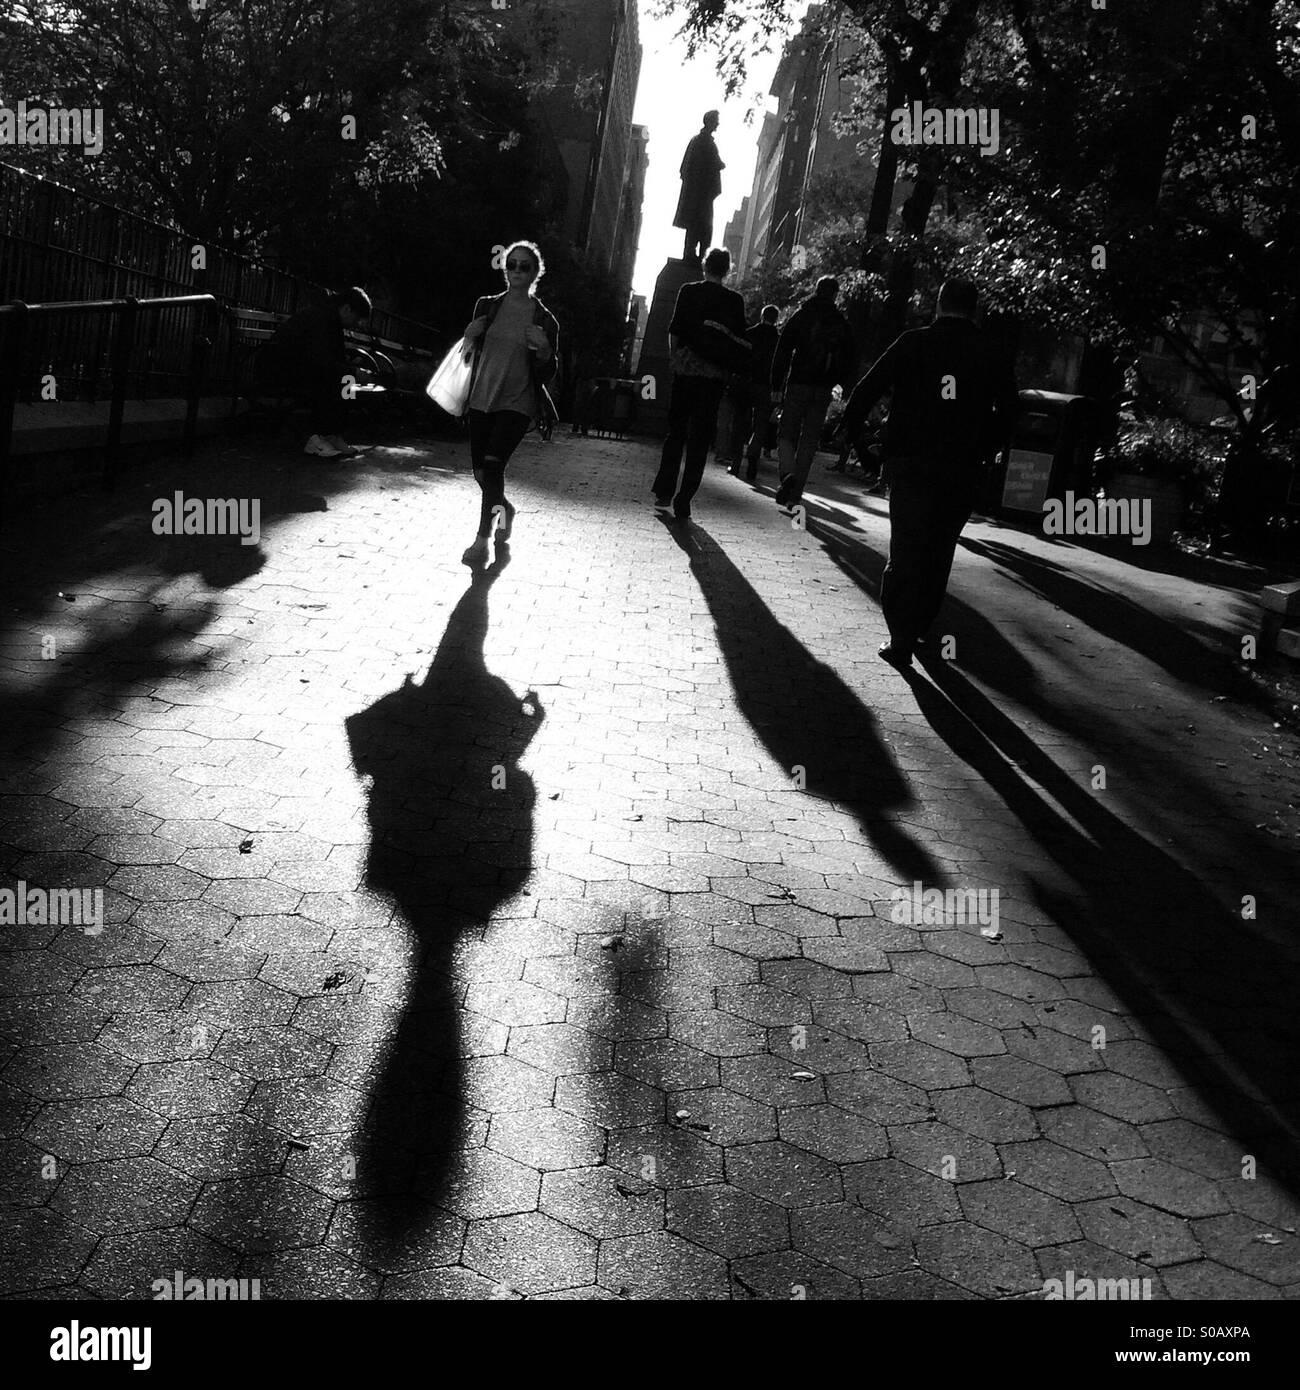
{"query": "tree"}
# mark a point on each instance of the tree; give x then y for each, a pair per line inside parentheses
(1148, 185)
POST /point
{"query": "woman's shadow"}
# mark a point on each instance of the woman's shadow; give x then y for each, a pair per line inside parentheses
(451, 819)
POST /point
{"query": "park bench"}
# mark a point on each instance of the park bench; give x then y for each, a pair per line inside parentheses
(251, 329)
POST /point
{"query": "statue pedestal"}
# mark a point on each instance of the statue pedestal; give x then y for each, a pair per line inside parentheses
(652, 416)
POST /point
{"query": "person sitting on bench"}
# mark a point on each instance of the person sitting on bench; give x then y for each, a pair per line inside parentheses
(308, 357)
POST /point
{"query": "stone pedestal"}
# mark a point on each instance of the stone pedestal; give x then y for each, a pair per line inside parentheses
(652, 416)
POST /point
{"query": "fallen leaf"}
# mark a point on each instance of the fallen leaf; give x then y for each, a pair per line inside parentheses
(246, 847)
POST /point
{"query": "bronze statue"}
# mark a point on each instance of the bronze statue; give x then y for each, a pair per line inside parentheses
(701, 175)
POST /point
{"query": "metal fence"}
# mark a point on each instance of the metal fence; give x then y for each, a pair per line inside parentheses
(57, 244)
(122, 324)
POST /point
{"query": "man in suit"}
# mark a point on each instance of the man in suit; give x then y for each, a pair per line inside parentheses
(953, 403)
(705, 313)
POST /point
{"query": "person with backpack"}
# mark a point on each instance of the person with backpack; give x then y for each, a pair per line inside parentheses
(815, 354)
(516, 341)
(707, 341)
(752, 399)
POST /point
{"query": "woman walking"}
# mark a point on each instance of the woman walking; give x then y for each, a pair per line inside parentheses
(517, 343)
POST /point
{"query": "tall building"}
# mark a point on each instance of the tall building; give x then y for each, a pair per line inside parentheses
(798, 144)
(628, 228)
(733, 238)
(587, 115)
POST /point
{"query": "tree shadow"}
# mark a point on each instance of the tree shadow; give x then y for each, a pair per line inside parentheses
(1184, 655)
(451, 818)
(1216, 992)
(805, 714)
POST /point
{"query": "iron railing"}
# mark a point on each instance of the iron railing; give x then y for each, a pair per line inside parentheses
(191, 319)
(57, 244)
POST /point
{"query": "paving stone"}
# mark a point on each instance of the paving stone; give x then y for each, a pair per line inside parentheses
(211, 1147)
(901, 1194)
(977, 1259)
(665, 1063)
(665, 1155)
(1140, 1232)
(1212, 1155)
(547, 1139)
(560, 1048)
(852, 1240)
(773, 1081)
(961, 1036)
(1091, 1133)
(41, 1248)
(132, 989)
(262, 1214)
(450, 1283)
(879, 1097)
(1122, 1097)
(1206, 1280)
(985, 1115)
(312, 1274)
(725, 1219)
(181, 1090)
(659, 1265)
(1060, 1172)
(839, 1135)
(486, 1184)
(602, 1202)
(65, 1071)
(1021, 1081)
(946, 1152)
(1168, 1187)
(128, 1266)
(30, 1175)
(531, 1253)
(395, 1236)
(920, 1064)
(80, 1131)
(1088, 1261)
(126, 1194)
(790, 1274)
(1011, 1208)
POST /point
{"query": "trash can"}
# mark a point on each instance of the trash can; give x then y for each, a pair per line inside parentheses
(1051, 451)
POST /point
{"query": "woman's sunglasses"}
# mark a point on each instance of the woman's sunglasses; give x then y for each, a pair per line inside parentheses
(519, 265)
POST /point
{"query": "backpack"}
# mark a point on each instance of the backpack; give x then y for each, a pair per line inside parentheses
(824, 352)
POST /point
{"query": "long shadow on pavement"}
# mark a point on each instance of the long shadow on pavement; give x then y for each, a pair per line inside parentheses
(1216, 992)
(801, 709)
(1116, 616)
(451, 816)
(1159, 934)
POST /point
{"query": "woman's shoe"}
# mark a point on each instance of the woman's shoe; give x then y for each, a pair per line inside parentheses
(477, 553)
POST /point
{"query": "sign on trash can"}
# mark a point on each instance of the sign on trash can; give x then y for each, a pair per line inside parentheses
(1051, 449)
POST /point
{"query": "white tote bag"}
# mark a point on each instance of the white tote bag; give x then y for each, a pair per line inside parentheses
(449, 385)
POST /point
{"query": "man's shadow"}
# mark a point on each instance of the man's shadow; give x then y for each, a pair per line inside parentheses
(805, 714)
(451, 817)
(1216, 990)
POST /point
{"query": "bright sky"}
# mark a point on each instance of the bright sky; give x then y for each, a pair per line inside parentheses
(672, 97)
